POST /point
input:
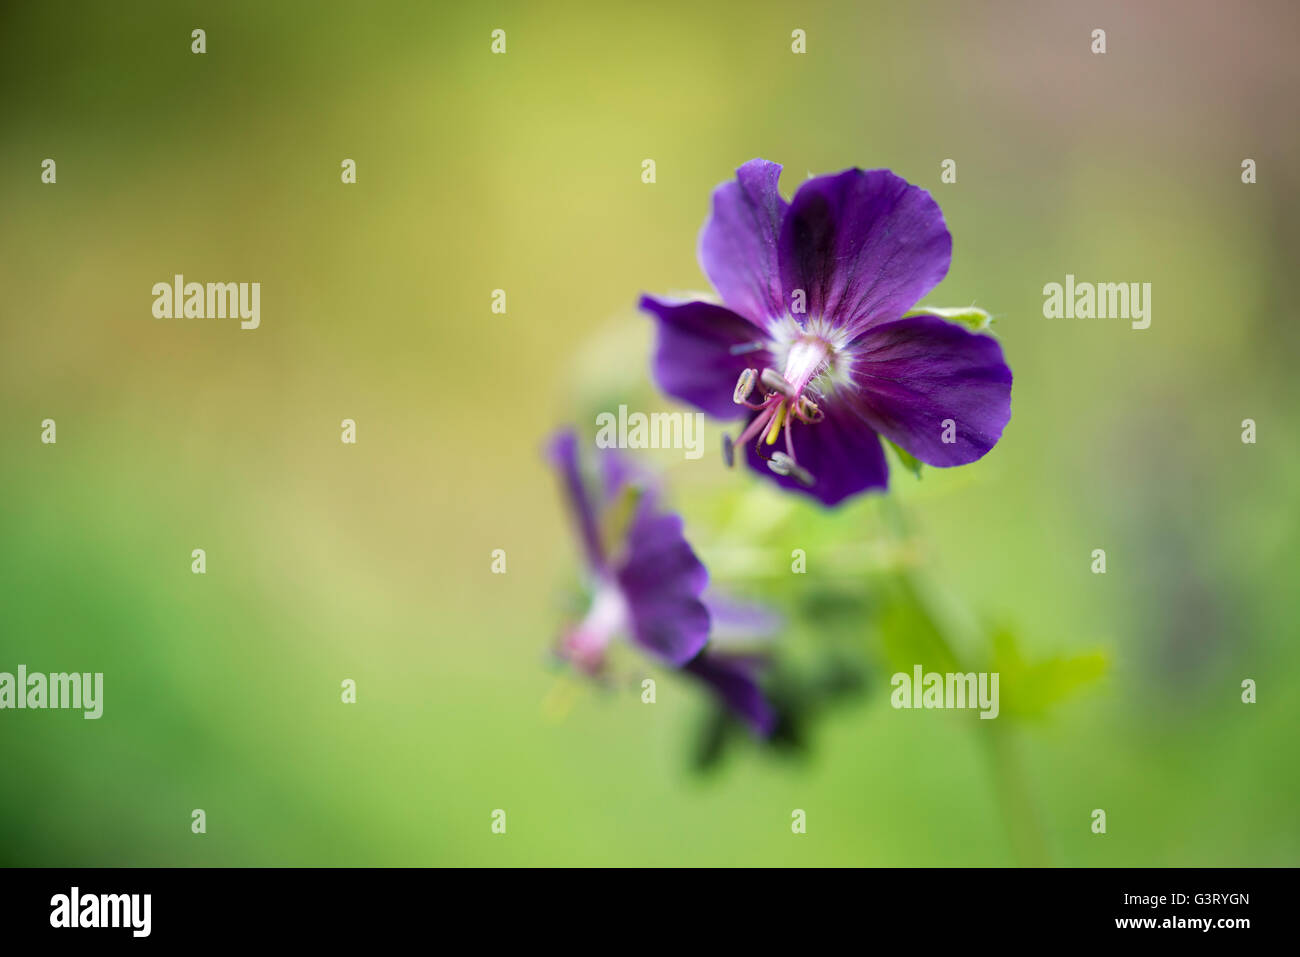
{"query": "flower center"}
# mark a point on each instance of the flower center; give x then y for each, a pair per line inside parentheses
(785, 400)
(804, 360)
(585, 644)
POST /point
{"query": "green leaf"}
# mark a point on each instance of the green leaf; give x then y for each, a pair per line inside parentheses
(1031, 689)
(971, 316)
(908, 461)
(909, 633)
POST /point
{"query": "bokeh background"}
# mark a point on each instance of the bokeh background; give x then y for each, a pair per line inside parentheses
(522, 172)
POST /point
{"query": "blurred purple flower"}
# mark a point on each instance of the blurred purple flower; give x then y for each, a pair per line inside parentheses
(647, 583)
(815, 293)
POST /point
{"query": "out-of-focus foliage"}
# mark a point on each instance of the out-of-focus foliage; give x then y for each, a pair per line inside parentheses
(521, 172)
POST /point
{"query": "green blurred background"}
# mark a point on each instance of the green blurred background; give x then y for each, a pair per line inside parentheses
(522, 172)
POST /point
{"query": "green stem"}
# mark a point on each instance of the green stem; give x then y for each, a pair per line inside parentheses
(1019, 809)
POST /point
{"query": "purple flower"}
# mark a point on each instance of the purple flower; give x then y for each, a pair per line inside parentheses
(814, 344)
(647, 583)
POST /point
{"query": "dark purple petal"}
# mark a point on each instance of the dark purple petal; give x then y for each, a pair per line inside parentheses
(563, 454)
(864, 247)
(914, 374)
(842, 453)
(731, 679)
(662, 581)
(738, 246)
(694, 360)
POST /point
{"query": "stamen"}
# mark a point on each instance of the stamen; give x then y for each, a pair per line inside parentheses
(782, 464)
(744, 386)
(776, 382)
(728, 450)
(756, 427)
(745, 347)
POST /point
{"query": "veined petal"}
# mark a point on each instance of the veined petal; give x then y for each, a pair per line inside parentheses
(738, 245)
(702, 349)
(941, 392)
(842, 453)
(863, 246)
